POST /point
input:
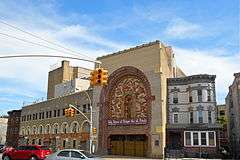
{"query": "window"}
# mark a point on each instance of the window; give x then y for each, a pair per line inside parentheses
(33, 141)
(40, 142)
(36, 116)
(55, 113)
(175, 97)
(74, 128)
(64, 154)
(75, 154)
(208, 95)
(50, 114)
(175, 118)
(74, 143)
(190, 98)
(191, 117)
(156, 142)
(47, 114)
(199, 138)
(209, 117)
(199, 95)
(195, 138)
(41, 130)
(64, 143)
(89, 108)
(84, 108)
(55, 129)
(187, 138)
(63, 112)
(222, 113)
(42, 115)
(203, 139)
(200, 117)
(211, 138)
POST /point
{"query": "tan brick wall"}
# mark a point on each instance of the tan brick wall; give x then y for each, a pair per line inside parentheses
(153, 61)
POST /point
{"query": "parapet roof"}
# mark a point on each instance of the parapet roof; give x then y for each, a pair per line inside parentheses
(130, 49)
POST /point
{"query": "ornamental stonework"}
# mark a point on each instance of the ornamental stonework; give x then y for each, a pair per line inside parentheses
(128, 100)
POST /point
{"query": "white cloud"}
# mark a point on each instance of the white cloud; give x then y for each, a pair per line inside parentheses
(180, 28)
(209, 62)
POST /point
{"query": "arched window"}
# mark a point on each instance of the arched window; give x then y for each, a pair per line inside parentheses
(55, 128)
(74, 127)
(23, 131)
(28, 130)
(64, 127)
(34, 130)
(47, 129)
(86, 127)
(41, 129)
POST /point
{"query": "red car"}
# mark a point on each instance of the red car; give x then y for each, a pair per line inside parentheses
(29, 152)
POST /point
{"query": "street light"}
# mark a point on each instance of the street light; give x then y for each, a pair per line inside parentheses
(88, 120)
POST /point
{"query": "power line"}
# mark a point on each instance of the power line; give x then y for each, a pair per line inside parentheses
(29, 33)
(43, 55)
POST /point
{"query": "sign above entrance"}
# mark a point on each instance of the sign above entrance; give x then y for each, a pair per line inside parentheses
(127, 122)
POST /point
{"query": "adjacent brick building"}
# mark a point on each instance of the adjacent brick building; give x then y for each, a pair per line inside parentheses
(44, 123)
(13, 127)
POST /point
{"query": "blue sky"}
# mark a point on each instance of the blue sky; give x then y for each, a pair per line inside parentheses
(204, 36)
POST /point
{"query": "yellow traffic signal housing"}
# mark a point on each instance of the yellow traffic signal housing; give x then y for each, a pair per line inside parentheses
(94, 130)
(72, 112)
(66, 111)
(99, 76)
(104, 77)
(93, 77)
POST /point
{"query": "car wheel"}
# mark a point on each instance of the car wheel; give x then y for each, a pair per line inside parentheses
(33, 158)
(6, 158)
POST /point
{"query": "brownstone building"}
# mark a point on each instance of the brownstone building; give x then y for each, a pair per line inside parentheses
(13, 128)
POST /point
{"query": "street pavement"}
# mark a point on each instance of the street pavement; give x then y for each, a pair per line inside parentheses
(137, 158)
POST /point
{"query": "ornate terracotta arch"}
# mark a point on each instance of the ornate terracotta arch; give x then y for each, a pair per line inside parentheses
(126, 100)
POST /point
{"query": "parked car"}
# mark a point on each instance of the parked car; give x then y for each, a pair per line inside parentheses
(70, 154)
(30, 152)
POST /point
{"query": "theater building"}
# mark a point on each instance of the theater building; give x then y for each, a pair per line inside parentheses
(192, 128)
(132, 107)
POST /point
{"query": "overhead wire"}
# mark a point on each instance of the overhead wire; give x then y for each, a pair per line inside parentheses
(38, 37)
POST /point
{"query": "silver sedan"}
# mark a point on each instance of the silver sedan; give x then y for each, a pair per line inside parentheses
(70, 154)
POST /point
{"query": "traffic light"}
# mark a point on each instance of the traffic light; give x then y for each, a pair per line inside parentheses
(72, 112)
(102, 76)
(93, 78)
(66, 111)
(69, 112)
(99, 77)
(94, 130)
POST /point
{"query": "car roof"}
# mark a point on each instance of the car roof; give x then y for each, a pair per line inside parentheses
(72, 150)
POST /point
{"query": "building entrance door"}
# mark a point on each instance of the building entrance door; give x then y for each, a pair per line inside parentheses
(128, 145)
